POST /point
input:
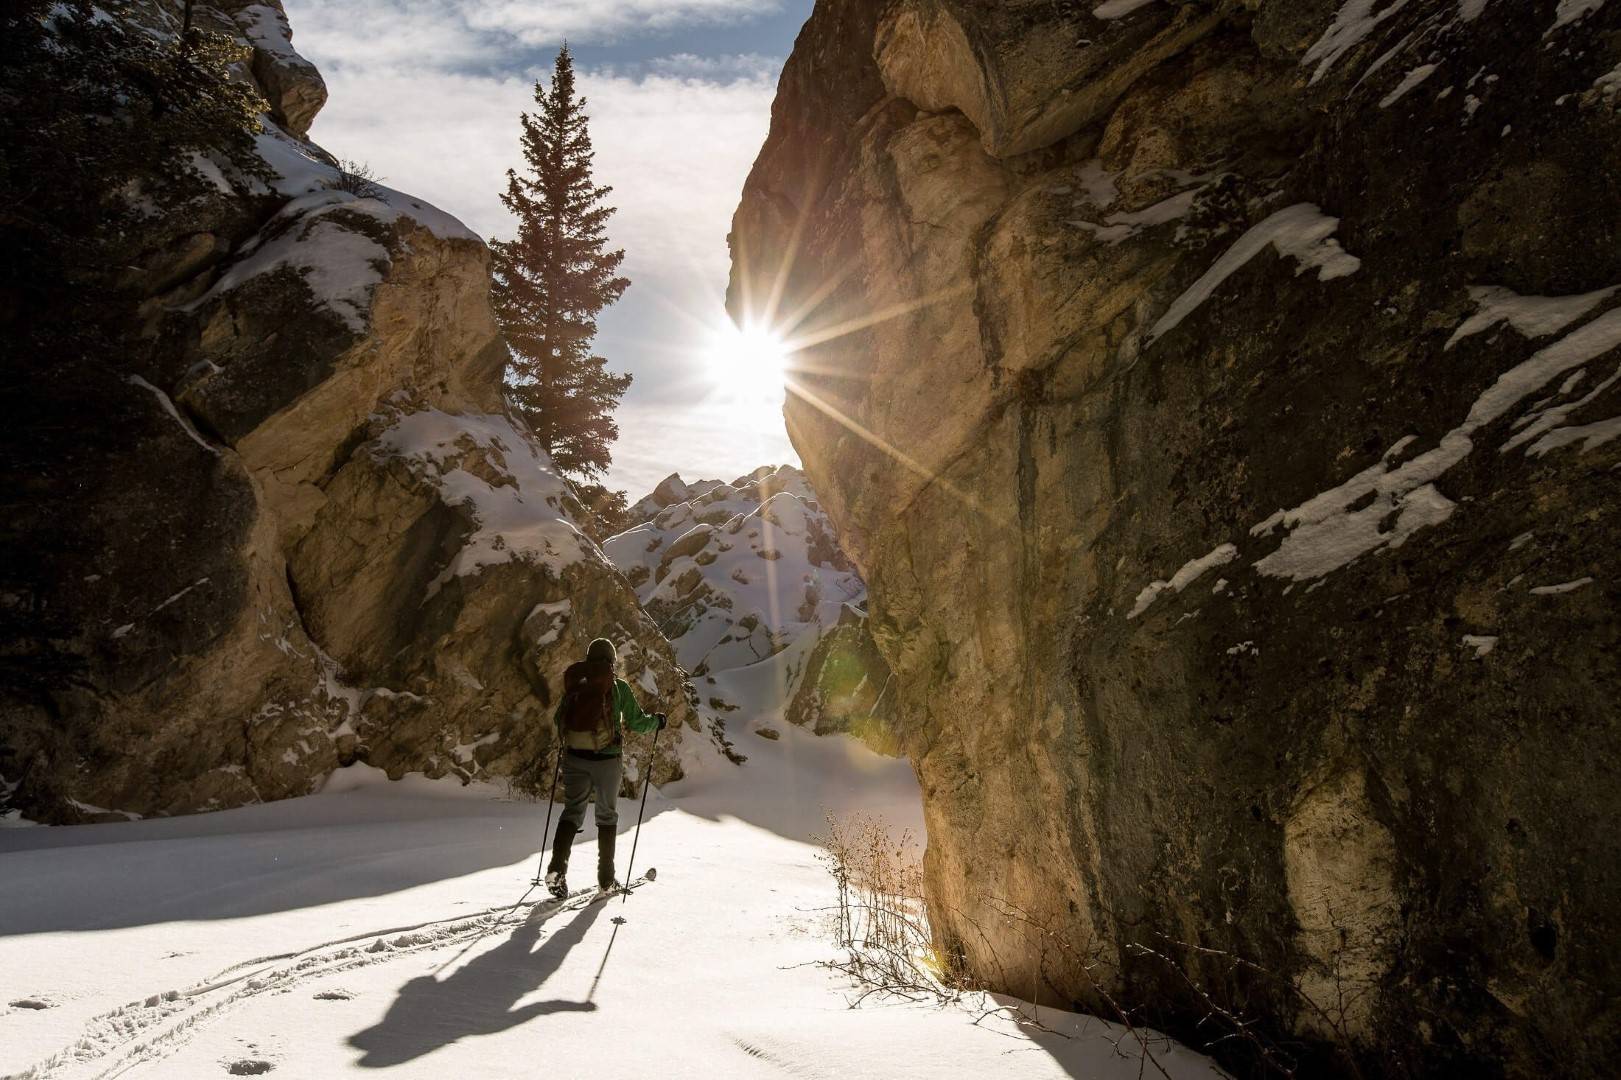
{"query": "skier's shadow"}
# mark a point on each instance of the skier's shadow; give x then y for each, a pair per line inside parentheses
(476, 999)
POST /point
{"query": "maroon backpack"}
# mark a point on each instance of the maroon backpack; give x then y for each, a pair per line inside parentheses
(589, 722)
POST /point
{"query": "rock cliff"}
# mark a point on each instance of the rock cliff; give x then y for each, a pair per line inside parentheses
(318, 537)
(1219, 399)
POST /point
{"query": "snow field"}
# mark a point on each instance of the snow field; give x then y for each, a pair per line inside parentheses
(379, 926)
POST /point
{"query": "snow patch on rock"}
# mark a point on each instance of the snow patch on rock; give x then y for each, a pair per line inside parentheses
(557, 616)
(1120, 226)
(1569, 11)
(1561, 588)
(1533, 316)
(516, 495)
(300, 171)
(1589, 435)
(1118, 9)
(174, 413)
(340, 264)
(1301, 232)
(1386, 503)
(1410, 80)
(738, 573)
(1190, 572)
(266, 28)
(1354, 21)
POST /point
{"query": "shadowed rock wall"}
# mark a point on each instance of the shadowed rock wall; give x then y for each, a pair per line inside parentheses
(319, 538)
(1220, 402)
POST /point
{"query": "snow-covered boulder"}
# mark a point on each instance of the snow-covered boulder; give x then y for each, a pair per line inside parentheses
(455, 621)
(291, 84)
(733, 576)
(747, 574)
(671, 490)
(311, 534)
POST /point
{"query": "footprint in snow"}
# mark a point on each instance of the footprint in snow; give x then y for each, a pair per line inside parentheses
(249, 1067)
(30, 1003)
(335, 994)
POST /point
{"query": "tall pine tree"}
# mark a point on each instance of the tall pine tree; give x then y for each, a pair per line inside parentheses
(553, 279)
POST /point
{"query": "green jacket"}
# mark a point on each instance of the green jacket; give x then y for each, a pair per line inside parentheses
(626, 712)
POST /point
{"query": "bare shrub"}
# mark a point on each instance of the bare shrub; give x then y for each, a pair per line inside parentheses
(879, 919)
(881, 923)
(357, 178)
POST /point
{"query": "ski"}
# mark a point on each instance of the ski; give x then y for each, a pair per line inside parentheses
(592, 895)
(562, 901)
(580, 898)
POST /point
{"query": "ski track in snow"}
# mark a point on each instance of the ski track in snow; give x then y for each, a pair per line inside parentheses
(144, 1031)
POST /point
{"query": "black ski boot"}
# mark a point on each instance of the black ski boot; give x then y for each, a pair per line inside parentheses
(558, 870)
(606, 881)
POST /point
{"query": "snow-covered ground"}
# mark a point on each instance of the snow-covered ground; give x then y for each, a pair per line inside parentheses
(378, 926)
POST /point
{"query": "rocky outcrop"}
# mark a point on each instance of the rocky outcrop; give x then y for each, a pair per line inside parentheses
(1222, 414)
(737, 573)
(290, 83)
(749, 585)
(671, 490)
(320, 539)
(844, 687)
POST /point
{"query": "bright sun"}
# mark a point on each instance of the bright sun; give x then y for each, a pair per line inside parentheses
(749, 361)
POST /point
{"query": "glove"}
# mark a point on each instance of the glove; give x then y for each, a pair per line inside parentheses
(662, 719)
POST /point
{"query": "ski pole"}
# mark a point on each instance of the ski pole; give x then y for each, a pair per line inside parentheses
(647, 782)
(540, 871)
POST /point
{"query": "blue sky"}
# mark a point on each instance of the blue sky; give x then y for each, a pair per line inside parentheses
(428, 92)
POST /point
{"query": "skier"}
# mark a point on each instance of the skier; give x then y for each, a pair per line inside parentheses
(590, 719)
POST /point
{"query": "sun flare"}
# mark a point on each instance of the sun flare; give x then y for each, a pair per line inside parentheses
(750, 361)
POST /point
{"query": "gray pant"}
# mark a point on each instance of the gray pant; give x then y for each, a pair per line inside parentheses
(580, 778)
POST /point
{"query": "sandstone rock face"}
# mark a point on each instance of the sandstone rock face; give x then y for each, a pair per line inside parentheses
(1219, 400)
(323, 540)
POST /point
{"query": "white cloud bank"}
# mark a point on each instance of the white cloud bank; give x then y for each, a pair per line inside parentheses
(484, 34)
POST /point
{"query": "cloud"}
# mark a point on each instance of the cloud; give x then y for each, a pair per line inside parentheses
(483, 34)
(603, 21)
(674, 148)
(740, 65)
